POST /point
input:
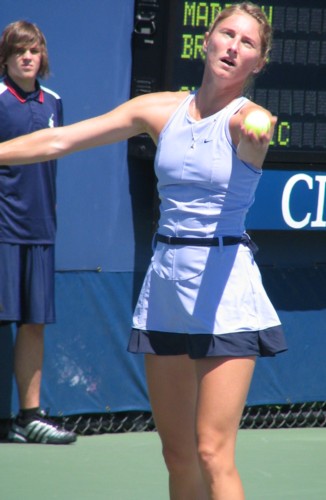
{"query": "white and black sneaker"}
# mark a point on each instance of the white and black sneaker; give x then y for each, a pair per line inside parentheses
(40, 430)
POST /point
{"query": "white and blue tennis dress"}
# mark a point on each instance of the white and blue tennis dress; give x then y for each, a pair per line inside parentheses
(211, 298)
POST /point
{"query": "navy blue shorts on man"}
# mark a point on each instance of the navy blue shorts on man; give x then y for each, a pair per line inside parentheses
(27, 283)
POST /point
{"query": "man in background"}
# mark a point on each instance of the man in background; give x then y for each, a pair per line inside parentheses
(28, 225)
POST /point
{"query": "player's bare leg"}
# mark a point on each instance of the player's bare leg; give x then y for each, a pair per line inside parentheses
(223, 387)
(173, 392)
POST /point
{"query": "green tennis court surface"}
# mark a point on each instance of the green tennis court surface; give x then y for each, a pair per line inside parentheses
(274, 465)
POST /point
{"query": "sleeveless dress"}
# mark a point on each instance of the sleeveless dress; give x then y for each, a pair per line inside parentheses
(213, 292)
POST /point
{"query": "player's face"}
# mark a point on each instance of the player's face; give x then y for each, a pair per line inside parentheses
(234, 48)
(23, 66)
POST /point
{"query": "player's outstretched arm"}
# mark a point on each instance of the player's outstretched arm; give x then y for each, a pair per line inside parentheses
(127, 120)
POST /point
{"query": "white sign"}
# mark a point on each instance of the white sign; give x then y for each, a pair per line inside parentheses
(314, 219)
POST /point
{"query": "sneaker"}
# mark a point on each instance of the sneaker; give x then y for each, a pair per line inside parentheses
(40, 430)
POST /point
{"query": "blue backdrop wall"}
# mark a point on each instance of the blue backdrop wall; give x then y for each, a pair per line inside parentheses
(106, 208)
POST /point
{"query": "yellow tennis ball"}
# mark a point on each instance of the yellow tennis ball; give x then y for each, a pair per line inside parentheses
(258, 122)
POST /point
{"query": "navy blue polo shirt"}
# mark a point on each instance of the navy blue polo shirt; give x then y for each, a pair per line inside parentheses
(27, 192)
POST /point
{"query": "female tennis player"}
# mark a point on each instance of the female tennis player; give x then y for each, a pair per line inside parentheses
(203, 316)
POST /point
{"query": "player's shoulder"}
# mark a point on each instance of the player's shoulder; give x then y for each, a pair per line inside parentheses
(159, 102)
(249, 106)
(152, 111)
(166, 97)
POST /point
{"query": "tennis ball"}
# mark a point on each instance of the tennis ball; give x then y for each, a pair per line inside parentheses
(258, 122)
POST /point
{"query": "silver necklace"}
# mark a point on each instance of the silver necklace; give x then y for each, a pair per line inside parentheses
(207, 131)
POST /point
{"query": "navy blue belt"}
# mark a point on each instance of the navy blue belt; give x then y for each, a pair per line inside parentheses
(207, 242)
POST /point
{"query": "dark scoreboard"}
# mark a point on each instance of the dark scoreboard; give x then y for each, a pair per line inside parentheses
(167, 55)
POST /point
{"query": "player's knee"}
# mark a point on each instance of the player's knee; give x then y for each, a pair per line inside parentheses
(215, 456)
(178, 460)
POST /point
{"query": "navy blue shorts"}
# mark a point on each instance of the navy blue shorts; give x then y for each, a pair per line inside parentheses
(27, 284)
(264, 343)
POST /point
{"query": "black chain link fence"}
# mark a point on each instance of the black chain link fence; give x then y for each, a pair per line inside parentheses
(254, 417)
(284, 416)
